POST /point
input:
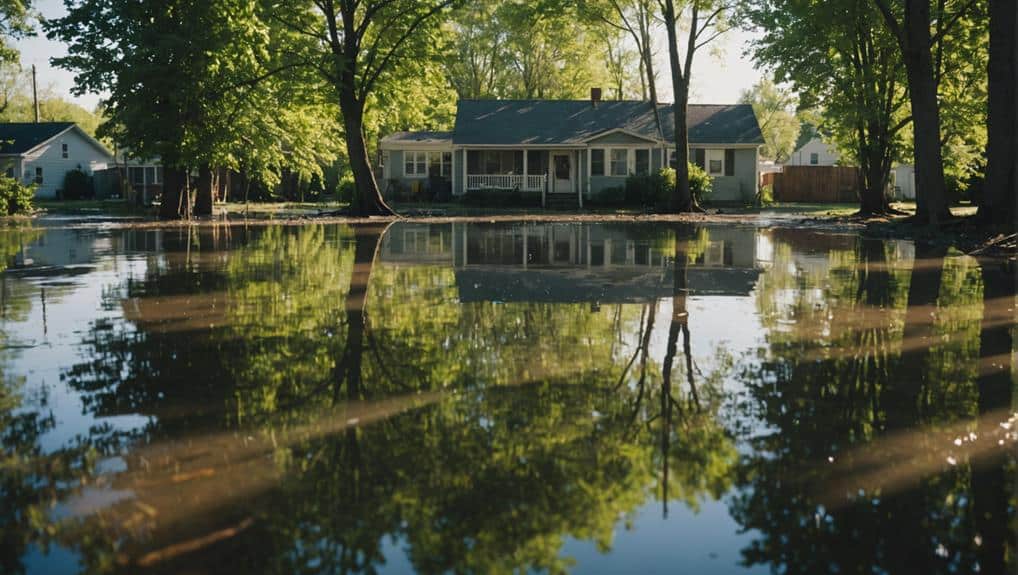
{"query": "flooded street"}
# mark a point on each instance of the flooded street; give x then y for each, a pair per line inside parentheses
(501, 397)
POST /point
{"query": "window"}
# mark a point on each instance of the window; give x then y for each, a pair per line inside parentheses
(642, 162)
(597, 162)
(496, 162)
(537, 162)
(136, 176)
(38, 175)
(434, 164)
(814, 158)
(63, 151)
(716, 162)
(159, 175)
(415, 163)
(447, 164)
(620, 162)
(10, 171)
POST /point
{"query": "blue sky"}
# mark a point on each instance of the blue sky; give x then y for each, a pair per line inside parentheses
(720, 73)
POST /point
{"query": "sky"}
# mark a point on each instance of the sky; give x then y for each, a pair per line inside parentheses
(720, 72)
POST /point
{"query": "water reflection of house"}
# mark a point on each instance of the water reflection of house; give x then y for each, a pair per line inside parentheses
(60, 247)
(562, 262)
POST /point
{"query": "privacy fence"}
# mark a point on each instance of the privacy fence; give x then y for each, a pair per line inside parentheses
(815, 184)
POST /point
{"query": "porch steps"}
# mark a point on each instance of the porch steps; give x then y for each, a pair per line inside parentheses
(561, 202)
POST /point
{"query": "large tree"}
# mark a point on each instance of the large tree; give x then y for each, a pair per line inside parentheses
(704, 21)
(912, 23)
(187, 82)
(1000, 194)
(355, 45)
(840, 61)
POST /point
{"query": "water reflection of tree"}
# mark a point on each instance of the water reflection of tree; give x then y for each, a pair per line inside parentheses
(865, 359)
(536, 443)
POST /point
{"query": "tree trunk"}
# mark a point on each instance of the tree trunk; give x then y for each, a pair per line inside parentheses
(1000, 195)
(931, 199)
(174, 193)
(682, 200)
(989, 480)
(872, 198)
(368, 200)
(206, 190)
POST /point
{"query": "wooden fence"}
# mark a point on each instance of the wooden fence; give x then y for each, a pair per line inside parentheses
(815, 184)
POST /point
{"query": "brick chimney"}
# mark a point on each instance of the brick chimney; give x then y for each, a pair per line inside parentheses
(595, 96)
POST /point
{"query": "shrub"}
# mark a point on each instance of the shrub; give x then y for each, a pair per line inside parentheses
(77, 185)
(700, 184)
(765, 196)
(15, 197)
(655, 190)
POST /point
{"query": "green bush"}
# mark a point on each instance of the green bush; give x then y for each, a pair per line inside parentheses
(656, 190)
(765, 196)
(15, 197)
(77, 186)
(700, 184)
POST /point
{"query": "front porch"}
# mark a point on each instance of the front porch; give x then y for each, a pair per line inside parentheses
(548, 172)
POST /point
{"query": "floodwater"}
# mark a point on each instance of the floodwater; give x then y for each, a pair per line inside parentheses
(476, 397)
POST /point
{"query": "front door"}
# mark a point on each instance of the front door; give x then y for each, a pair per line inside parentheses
(563, 176)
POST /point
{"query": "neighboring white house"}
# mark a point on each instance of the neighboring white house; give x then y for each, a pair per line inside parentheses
(144, 174)
(43, 152)
(814, 153)
(903, 182)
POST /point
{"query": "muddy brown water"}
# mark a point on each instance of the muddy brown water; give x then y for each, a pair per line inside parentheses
(572, 396)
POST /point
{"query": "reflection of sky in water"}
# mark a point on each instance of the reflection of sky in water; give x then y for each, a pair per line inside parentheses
(722, 321)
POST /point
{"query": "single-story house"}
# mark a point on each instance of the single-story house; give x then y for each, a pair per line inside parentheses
(43, 152)
(815, 152)
(580, 150)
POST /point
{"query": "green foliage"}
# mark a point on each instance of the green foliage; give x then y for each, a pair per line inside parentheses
(766, 195)
(525, 50)
(199, 83)
(77, 186)
(700, 183)
(843, 64)
(15, 197)
(656, 189)
(774, 107)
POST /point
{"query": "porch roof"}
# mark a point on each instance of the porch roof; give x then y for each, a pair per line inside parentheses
(423, 137)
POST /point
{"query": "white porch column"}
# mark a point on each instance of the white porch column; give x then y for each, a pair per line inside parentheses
(465, 154)
(525, 167)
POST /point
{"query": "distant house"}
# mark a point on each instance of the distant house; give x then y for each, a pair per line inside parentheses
(43, 152)
(815, 152)
(573, 150)
(145, 176)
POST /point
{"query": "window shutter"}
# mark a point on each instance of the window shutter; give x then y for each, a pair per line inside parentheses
(729, 162)
(700, 158)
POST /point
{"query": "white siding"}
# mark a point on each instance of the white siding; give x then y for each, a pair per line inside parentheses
(826, 154)
(80, 153)
(904, 183)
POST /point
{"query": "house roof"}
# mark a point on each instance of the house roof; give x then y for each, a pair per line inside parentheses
(422, 137)
(574, 122)
(20, 137)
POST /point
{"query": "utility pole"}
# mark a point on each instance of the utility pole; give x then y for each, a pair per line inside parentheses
(35, 95)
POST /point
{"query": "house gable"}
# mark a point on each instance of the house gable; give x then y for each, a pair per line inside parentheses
(620, 136)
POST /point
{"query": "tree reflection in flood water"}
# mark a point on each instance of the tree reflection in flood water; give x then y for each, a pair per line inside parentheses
(499, 397)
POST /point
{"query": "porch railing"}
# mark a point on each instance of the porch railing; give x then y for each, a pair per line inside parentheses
(528, 183)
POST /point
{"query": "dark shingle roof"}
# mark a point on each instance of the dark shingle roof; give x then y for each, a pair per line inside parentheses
(20, 137)
(548, 122)
(421, 137)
